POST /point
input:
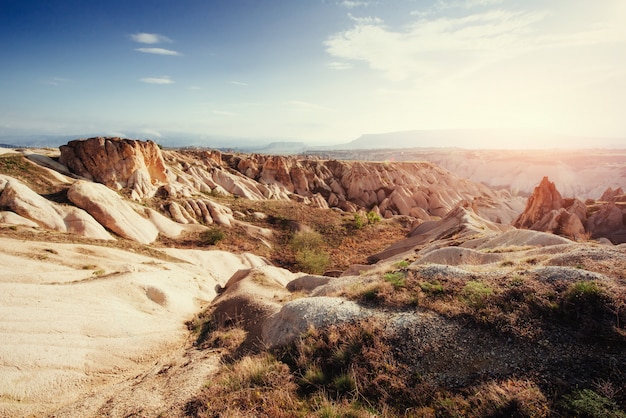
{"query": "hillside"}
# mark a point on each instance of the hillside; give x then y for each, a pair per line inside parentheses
(139, 281)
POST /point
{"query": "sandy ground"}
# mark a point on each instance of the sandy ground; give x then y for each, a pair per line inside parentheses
(82, 322)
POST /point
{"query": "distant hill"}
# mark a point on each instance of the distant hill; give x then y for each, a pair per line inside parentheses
(470, 138)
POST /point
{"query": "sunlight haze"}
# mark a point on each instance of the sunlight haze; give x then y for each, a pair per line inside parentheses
(320, 71)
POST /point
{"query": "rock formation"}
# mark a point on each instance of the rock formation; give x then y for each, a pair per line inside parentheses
(110, 210)
(117, 163)
(20, 199)
(418, 189)
(547, 211)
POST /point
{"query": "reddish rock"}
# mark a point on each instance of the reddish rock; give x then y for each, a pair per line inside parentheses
(117, 163)
(611, 195)
(606, 221)
(545, 199)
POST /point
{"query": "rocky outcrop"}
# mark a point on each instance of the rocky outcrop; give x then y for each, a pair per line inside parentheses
(544, 199)
(201, 210)
(110, 210)
(417, 189)
(611, 195)
(20, 199)
(117, 163)
(461, 222)
(547, 211)
(609, 219)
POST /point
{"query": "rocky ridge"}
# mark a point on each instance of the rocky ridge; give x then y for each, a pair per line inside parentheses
(179, 183)
(465, 296)
(546, 210)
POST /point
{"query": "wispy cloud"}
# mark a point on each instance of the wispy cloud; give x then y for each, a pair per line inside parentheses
(336, 65)
(238, 83)
(430, 46)
(149, 38)
(442, 5)
(55, 81)
(351, 4)
(367, 20)
(157, 80)
(158, 51)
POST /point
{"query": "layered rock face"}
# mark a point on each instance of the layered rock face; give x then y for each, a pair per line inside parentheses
(117, 163)
(418, 189)
(546, 210)
(31, 209)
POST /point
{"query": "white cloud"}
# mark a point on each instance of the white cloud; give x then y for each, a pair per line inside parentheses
(238, 83)
(158, 51)
(367, 20)
(442, 5)
(351, 4)
(454, 44)
(56, 81)
(336, 65)
(157, 80)
(149, 38)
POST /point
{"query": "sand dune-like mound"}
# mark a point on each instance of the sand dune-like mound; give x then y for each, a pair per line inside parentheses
(75, 317)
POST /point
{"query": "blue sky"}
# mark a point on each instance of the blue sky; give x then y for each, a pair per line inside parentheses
(320, 71)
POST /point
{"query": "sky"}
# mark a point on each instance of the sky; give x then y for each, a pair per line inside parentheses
(319, 71)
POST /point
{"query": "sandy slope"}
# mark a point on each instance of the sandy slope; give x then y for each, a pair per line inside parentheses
(74, 318)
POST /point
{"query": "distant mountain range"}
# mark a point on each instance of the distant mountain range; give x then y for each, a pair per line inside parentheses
(460, 138)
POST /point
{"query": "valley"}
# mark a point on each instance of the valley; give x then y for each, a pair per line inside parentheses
(145, 281)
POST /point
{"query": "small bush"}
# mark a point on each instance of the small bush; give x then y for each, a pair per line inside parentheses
(212, 236)
(589, 404)
(475, 294)
(359, 221)
(397, 279)
(309, 255)
(314, 262)
(584, 300)
(373, 217)
(401, 264)
(432, 288)
(306, 241)
(344, 384)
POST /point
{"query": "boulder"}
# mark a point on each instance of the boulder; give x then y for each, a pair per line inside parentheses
(110, 210)
(117, 163)
(20, 199)
(295, 318)
(12, 218)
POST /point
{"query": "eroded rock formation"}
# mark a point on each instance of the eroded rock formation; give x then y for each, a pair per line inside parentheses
(546, 210)
(117, 163)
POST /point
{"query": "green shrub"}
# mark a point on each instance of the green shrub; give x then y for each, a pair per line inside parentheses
(584, 300)
(475, 294)
(589, 404)
(309, 255)
(212, 236)
(396, 279)
(312, 261)
(344, 384)
(306, 241)
(359, 221)
(432, 288)
(401, 264)
(373, 217)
